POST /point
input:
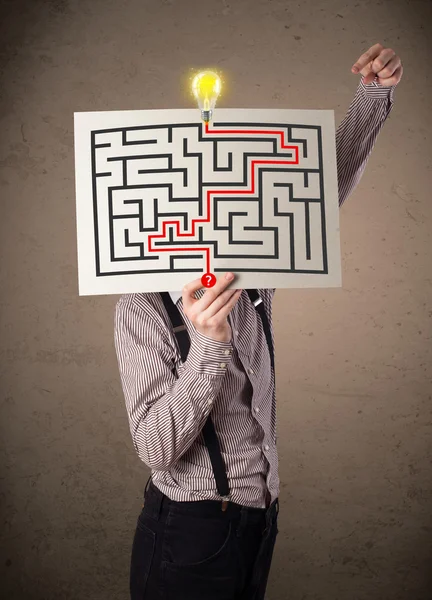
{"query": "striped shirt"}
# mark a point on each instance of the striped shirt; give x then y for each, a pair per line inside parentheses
(231, 380)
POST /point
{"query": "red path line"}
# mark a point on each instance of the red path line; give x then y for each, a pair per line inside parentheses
(219, 192)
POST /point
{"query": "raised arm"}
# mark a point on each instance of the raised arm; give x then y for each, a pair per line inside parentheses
(357, 133)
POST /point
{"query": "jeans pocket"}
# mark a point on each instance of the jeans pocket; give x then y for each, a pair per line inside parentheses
(143, 549)
(199, 560)
(194, 541)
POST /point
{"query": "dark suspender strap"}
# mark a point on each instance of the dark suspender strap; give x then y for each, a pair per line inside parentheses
(209, 432)
(216, 457)
(178, 325)
(259, 305)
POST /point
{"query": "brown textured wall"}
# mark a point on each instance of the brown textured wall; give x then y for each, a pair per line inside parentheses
(354, 365)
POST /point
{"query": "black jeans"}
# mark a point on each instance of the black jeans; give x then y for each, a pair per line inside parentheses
(195, 551)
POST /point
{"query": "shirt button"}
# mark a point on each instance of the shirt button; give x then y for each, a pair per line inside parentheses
(227, 352)
(266, 447)
(222, 365)
(250, 371)
(256, 409)
(209, 401)
(236, 332)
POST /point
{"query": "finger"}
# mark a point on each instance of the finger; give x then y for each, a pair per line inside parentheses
(397, 75)
(218, 303)
(212, 293)
(225, 310)
(188, 292)
(386, 74)
(381, 62)
(383, 59)
(369, 76)
(378, 64)
(383, 74)
(366, 58)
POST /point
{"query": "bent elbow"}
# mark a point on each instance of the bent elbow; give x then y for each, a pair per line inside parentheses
(156, 461)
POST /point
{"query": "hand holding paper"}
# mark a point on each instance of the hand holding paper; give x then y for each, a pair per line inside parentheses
(210, 312)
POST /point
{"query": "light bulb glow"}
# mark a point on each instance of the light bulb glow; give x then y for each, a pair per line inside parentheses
(206, 87)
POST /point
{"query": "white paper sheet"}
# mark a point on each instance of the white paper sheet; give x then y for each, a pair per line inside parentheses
(162, 199)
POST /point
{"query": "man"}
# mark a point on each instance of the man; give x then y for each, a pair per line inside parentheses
(203, 418)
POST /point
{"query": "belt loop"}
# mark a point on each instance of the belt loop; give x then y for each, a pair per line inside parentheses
(243, 519)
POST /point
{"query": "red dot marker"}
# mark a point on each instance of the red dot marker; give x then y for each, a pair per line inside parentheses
(208, 280)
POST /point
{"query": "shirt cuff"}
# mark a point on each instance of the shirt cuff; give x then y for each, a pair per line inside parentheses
(375, 90)
(207, 356)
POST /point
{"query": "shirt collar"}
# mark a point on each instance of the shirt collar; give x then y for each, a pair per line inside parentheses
(175, 296)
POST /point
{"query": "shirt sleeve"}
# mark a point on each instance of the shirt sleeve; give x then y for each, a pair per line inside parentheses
(357, 133)
(355, 138)
(165, 413)
(267, 295)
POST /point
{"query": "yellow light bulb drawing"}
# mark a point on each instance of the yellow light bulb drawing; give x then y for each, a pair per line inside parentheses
(206, 87)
